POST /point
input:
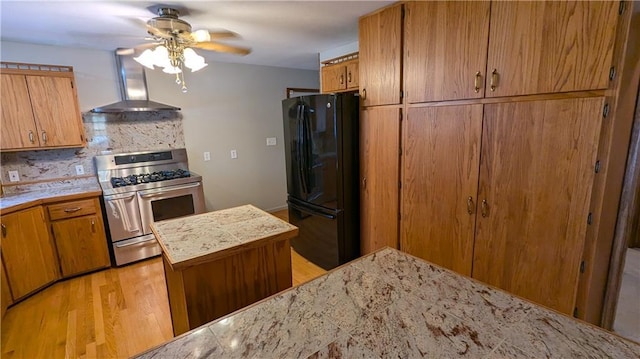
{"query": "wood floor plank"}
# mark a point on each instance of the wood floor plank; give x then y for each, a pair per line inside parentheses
(114, 313)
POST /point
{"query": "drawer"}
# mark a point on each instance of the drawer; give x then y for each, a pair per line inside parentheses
(72, 209)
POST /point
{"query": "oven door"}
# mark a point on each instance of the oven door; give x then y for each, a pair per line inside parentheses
(170, 202)
(123, 216)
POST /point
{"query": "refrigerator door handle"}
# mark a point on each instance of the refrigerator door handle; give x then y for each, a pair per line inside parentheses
(300, 208)
(300, 151)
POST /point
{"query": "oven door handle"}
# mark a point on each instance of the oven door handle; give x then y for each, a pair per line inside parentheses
(116, 197)
(157, 192)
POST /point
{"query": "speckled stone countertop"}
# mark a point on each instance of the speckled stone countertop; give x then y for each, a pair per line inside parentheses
(391, 305)
(48, 192)
(205, 237)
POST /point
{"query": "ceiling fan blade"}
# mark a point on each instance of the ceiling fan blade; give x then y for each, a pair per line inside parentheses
(216, 46)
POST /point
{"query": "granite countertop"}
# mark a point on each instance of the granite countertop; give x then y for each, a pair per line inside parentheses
(49, 192)
(389, 304)
(204, 237)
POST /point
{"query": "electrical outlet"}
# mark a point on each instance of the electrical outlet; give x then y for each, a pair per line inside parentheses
(234, 154)
(271, 141)
(79, 170)
(207, 156)
(14, 176)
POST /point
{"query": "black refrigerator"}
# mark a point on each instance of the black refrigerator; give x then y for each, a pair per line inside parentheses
(321, 150)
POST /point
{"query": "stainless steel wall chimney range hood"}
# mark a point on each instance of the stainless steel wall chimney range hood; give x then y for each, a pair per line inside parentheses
(133, 88)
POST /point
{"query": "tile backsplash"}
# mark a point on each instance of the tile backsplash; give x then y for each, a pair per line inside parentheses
(125, 132)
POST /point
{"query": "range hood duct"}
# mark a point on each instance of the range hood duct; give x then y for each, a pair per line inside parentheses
(133, 88)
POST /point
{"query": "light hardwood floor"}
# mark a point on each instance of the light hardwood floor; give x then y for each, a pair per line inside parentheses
(114, 313)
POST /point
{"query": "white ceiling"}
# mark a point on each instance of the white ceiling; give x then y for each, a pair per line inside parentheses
(280, 33)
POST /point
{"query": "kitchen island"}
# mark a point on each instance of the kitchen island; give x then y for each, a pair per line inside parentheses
(218, 262)
(390, 304)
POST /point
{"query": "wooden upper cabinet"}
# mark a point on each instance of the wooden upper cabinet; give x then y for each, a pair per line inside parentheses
(39, 108)
(536, 175)
(379, 171)
(440, 159)
(551, 46)
(27, 251)
(342, 76)
(445, 50)
(56, 111)
(380, 48)
(17, 122)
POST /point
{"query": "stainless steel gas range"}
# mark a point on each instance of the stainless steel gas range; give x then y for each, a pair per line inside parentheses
(144, 187)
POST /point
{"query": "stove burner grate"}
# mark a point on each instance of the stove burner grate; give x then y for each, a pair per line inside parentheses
(148, 177)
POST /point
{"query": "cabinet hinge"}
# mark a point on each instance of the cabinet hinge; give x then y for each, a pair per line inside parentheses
(575, 312)
(582, 267)
(605, 110)
(590, 218)
(597, 167)
(621, 7)
(612, 73)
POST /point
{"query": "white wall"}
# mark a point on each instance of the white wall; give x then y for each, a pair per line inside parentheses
(228, 106)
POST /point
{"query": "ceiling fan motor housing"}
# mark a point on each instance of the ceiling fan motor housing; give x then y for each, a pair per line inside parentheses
(167, 20)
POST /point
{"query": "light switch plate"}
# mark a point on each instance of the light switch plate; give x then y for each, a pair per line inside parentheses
(271, 141)
(207, 156)
(14, 176)
(79, 170)
(234, 154)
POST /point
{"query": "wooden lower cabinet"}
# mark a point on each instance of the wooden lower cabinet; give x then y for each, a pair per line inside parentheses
(211, 289)
(27, 251)
(441, 155)
(79, 234)
(5, 293)
(536, 175)
(379, 171)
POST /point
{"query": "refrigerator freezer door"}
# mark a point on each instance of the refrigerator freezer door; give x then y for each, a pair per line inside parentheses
(317, 238)
(310, 128)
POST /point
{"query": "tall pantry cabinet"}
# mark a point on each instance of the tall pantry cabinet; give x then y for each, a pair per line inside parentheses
(502, 129)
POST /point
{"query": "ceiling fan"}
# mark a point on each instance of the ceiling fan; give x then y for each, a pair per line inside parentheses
(173, 43)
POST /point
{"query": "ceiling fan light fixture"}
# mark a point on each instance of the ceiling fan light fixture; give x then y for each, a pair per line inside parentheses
(147, 59)
(192, 60)
(201, 35)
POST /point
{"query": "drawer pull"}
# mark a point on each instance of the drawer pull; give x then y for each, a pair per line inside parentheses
(93, 226)
(364, 94)
(4, 230)
(494, 79)
(478, 78)
(485, 208)
(72, 210)
(470, 205)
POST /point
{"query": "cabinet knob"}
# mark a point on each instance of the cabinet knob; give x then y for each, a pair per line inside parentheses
(494, 79)
(476, 82)
(93, 226)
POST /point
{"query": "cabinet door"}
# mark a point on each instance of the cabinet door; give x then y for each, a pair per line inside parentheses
(352, 75)
(379, 171)
(333, 78)
(445, 49)
(536, 174)
(380, 55)
(81, 244)
(17, 123)
(55, 110)
(5, 292)
(27, 251)
(550, 46)
(441, 155)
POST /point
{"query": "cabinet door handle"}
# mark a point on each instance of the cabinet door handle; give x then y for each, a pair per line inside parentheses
(31, 139)
(485, 208)
(44, 136)
(349, 77)
(341, 79)
(364, 182)
(93, 226)
(71, 210)
(364, 94)
(4, 230)
(494, 79)
(476, 83)
(470, 205)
